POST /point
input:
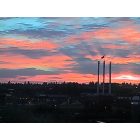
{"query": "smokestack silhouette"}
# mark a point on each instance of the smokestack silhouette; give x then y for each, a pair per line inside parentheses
(98, 80)
(103, 83)
(109, 78)
(103, 77)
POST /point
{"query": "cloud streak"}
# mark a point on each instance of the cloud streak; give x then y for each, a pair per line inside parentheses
(67, 49)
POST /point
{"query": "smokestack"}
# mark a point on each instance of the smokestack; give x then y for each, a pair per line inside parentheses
(103, 76)
(98, 80)
(110, 78)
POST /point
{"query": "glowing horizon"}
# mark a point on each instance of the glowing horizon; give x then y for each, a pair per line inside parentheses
(67, 49)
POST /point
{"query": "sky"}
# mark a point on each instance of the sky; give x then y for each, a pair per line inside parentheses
(41, 49)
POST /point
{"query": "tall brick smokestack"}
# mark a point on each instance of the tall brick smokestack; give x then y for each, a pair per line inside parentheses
(103, 77)
(109, 78)
(98, 78)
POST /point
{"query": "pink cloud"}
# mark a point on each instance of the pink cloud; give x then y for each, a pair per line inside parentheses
(27, 44)
(129, 34)
(117, 60)
(115, 47)
(69, 77)
(76, 77)
(21, 61)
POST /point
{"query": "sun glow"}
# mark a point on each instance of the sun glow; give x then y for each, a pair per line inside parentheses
(127, 77)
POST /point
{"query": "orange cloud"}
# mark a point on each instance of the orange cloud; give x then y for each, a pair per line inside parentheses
(69, 77)
(103, 34)
(76, 77)
(117, 60)
(27, 44)
(129, 34)
(128, 77)
(21, 61)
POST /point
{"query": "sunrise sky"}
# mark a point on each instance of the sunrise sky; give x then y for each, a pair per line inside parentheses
(67, 49)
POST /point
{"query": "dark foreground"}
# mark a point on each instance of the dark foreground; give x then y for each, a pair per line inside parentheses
(68, 103)
(94, 109)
